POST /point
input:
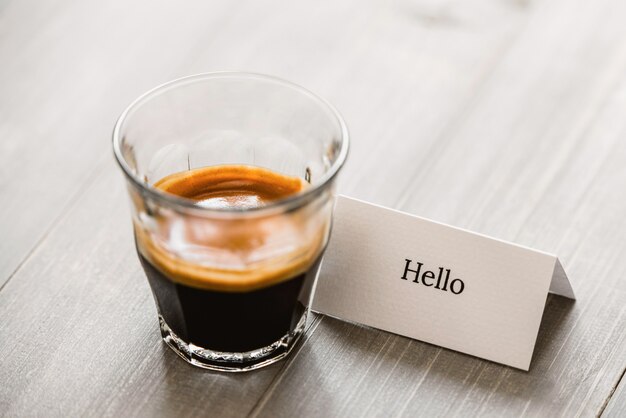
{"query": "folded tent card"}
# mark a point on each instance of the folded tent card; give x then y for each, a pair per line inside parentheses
(436, 283)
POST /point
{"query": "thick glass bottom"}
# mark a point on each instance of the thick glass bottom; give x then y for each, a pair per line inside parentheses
(229, 361)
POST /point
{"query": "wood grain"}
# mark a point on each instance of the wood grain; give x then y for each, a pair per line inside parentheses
(68, 70)
(502, 117)
(524, 165)
(81, 297)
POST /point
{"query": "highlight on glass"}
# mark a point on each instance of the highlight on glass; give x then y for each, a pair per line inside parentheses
(231, 178)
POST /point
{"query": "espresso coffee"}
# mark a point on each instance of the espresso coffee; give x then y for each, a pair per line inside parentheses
(231, 285)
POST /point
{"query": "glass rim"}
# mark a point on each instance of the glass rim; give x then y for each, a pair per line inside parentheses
(293, 201)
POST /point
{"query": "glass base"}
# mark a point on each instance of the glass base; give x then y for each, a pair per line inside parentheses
(228, 361)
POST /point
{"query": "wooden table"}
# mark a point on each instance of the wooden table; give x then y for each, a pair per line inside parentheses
(506, 117)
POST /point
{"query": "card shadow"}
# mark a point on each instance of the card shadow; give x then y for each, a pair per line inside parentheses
(430, 367)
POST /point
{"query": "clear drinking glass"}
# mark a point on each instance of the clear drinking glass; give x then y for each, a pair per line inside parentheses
(220, 306)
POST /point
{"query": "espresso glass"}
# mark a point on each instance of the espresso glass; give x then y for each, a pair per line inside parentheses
(231, 119)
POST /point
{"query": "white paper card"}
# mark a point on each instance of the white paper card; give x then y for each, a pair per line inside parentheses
(436, 283)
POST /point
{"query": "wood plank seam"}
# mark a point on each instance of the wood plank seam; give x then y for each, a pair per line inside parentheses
(582, 130)
(613, 389)
(92, 158)
(601, 373)
(258, 406)
(609, 86)
(581, 363)
(438, 145)
(447, 135)
(72, 201)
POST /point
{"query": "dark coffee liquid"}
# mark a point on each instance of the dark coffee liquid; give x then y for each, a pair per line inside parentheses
(231, 321)
(239, 310)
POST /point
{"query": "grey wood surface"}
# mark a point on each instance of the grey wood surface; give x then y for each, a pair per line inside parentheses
(504, 117)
